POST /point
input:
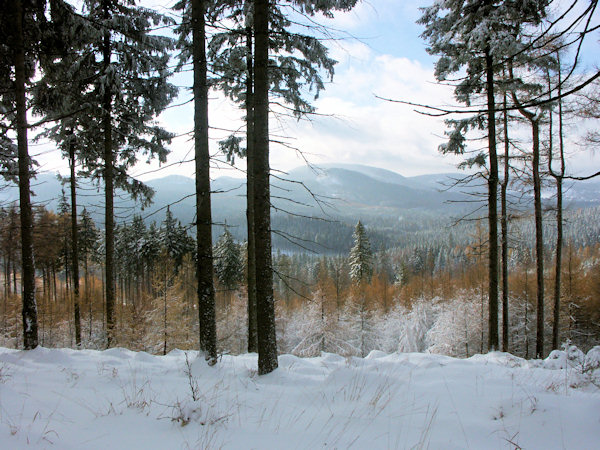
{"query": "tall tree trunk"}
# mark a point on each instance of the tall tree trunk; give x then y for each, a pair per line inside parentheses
(29, 311)
(74, 245)
(539, 235)
(165, 313)
(204, 265)
(492, 206)
(558, 266)
(504, 230)
(87, 293)
(252, 332)
(527, 310)
(559, 213)
(14, 276)
(539, 238)
(265, 305)
(109, 220)
(5, 299)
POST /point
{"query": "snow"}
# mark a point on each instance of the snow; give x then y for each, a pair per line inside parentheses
(120, 399)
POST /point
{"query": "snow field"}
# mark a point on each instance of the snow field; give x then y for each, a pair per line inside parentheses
(119, 399)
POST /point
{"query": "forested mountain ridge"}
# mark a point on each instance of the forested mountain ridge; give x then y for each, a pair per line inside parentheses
(346, 191)
(398, 210)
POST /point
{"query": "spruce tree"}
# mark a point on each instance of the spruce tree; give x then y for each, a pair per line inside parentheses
(477, 36)
(128, 90)
(360, 259)
(25, 37)
(194, 24)
(277, 70)
(294, 70)
(175, 240)
(229, 267)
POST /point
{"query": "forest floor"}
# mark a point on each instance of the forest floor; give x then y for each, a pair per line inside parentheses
(119, 399)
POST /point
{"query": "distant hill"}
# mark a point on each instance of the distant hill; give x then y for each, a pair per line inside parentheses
(341, 192)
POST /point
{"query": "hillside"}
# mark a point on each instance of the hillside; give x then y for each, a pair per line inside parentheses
(390, 204)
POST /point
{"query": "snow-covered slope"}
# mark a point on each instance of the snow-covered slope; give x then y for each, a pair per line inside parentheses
(120, 399)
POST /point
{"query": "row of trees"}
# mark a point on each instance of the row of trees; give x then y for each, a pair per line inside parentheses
(98, 77)
(345, 304)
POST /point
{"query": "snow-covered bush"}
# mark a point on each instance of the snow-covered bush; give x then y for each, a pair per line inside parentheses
(457, 328)
(314, 327)
(585, 368)
(592, 359)
(417, 321)
(570, 357)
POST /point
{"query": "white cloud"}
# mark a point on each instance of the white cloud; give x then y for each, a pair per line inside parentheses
(371, 131)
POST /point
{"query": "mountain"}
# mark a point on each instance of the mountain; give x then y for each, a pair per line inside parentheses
(389, 203)
(342, 190)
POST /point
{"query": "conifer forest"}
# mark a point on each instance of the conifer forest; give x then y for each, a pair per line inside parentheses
(118, 241)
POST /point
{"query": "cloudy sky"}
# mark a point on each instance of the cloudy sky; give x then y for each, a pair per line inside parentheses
(379, 53)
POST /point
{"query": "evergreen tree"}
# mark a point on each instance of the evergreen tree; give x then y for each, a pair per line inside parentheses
(294, 68)
(265, 303)
(175, 240)
(26, 38)
(128, 90)
(89, 237)
(264, 36)
(150, 252)
(360, 259)
(477, 36)
(65, 78)
(194, 23)
(229, 267)
(14, 52)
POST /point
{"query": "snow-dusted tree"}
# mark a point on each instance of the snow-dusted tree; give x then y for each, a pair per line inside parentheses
(358, 326)
(265, 303)
(229, 265)
(128, 90)
(295, 62)
(558, 176)
(523, 88)
(88, 243)
(456, 330)
(22, 26)
(30, 38)
(175, 240)
(60, 93)
(360, 259)
(478, 36)
(192, 42)
(360, 262)
(312, 329)
(150, 251)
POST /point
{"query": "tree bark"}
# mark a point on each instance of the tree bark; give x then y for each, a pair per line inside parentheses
(252, 332)
(504, 231)
(492, 206)
(74, 245)
(539, 235)
(265, 305)
(539, 242)
(559, 214)
(204, 264)
(109, 220)
(29, 310)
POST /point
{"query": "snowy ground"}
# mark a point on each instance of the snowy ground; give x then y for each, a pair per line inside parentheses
(120, 399)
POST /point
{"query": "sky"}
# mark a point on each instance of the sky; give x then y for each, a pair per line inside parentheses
(379, 53)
